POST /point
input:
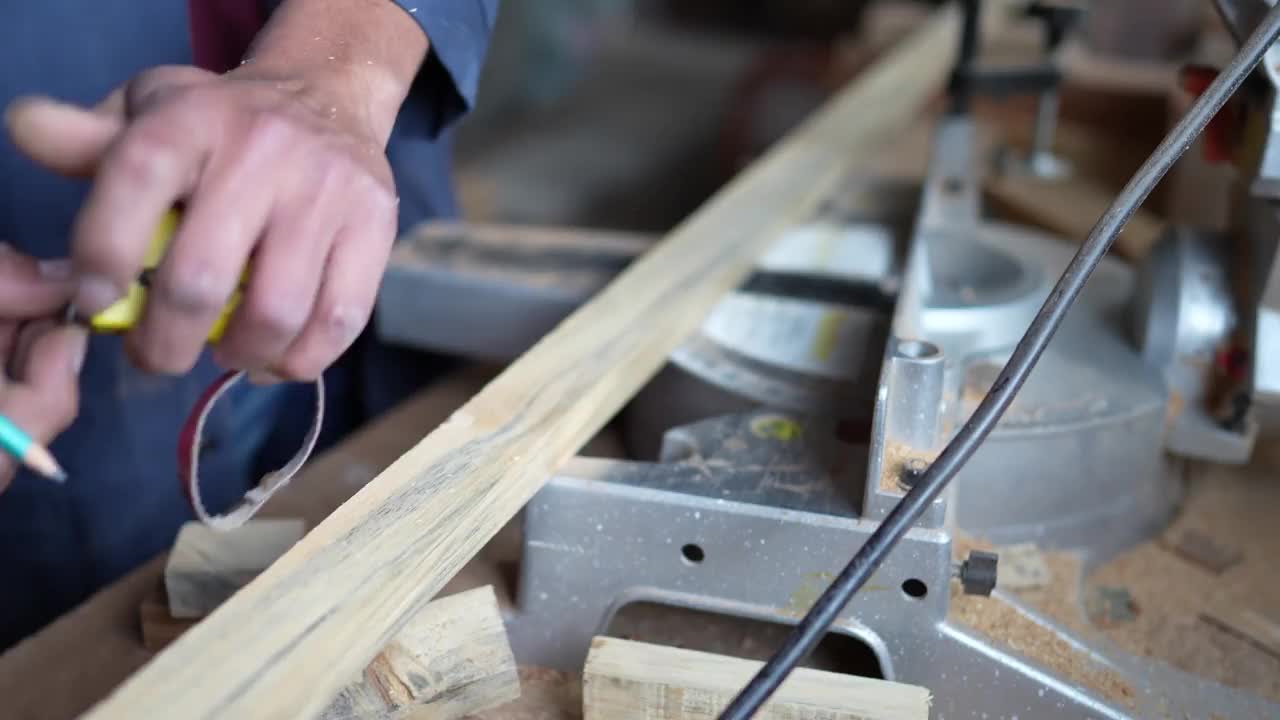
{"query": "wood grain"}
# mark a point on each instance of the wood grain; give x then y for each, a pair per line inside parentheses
(452, 659)
(626, 680)
(284, 645)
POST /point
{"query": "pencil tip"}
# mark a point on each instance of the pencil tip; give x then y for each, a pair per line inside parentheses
(39, 458)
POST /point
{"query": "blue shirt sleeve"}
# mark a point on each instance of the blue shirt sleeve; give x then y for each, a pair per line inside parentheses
(459, 32)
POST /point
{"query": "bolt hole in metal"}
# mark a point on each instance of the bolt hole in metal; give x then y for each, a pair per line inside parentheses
(692, 554)
(912, 470)
(952, 185)
(917, 350)
(915, 588)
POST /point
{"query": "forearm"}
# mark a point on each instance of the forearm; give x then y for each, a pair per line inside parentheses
(362, 55)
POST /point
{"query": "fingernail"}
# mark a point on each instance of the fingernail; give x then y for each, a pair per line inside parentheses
(55, 269)
(262, 377)
(79, 348)
(96, 293)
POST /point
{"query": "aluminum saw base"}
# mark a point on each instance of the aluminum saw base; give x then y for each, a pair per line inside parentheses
(750, 516)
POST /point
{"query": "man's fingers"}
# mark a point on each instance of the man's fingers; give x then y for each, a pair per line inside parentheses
(342, 309)
(64, 138)
(151, 166)
(30, 288)
(49, 357)
(206, 257)
(8, 341)
(286, 273)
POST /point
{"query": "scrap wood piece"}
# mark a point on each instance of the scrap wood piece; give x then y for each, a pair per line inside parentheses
(1199, 549)
(1023, 567)
(628, 680)
(1109, 606)
(1258, 628)
(285, 644)
(451, 660)
(1071, 207)
(207, 566)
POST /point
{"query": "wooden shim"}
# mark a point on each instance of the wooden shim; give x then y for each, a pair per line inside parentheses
(284, 645)
(1023, 567)
(1248, 624)
(627, 680)
(1202, 550)
(207, 566)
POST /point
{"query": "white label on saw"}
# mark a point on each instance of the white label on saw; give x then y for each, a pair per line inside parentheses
(862, 251)
(797, 335)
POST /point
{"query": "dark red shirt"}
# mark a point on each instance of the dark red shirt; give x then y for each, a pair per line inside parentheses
(221, 31)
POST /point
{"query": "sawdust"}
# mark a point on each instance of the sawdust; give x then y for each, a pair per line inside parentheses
(1172, 594)
(894, 464)
(544, 695)
(1004, 624)
(1059, 600)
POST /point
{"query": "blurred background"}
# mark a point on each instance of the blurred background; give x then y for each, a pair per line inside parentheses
(626, 114)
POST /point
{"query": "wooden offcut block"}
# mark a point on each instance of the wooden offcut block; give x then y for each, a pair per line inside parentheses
(452, 659)
(627, 680)
(207, 566)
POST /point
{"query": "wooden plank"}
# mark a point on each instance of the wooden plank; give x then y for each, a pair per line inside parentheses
(207, 566)
(290, 639)
(627, 680)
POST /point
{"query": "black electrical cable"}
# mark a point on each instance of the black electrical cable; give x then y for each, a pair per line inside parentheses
(806, 634)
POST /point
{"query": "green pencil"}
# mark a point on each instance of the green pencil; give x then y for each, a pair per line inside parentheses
(19, 444)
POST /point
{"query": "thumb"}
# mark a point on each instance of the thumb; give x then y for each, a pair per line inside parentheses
(64, 138)
(30, 288)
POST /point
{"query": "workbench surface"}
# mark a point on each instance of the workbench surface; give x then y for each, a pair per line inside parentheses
(60, 672)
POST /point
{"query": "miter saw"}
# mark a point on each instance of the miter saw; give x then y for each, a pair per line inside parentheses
(777, 438)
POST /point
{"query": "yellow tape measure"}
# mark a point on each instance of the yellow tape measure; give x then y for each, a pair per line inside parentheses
(127, 311)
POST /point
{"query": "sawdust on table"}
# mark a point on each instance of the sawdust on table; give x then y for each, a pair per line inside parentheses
(544, 695)
(1233, 506)
(1236, 508)
(1008, 626)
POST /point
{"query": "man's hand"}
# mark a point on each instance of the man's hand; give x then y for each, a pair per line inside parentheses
(280, 162)
(42, 358)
